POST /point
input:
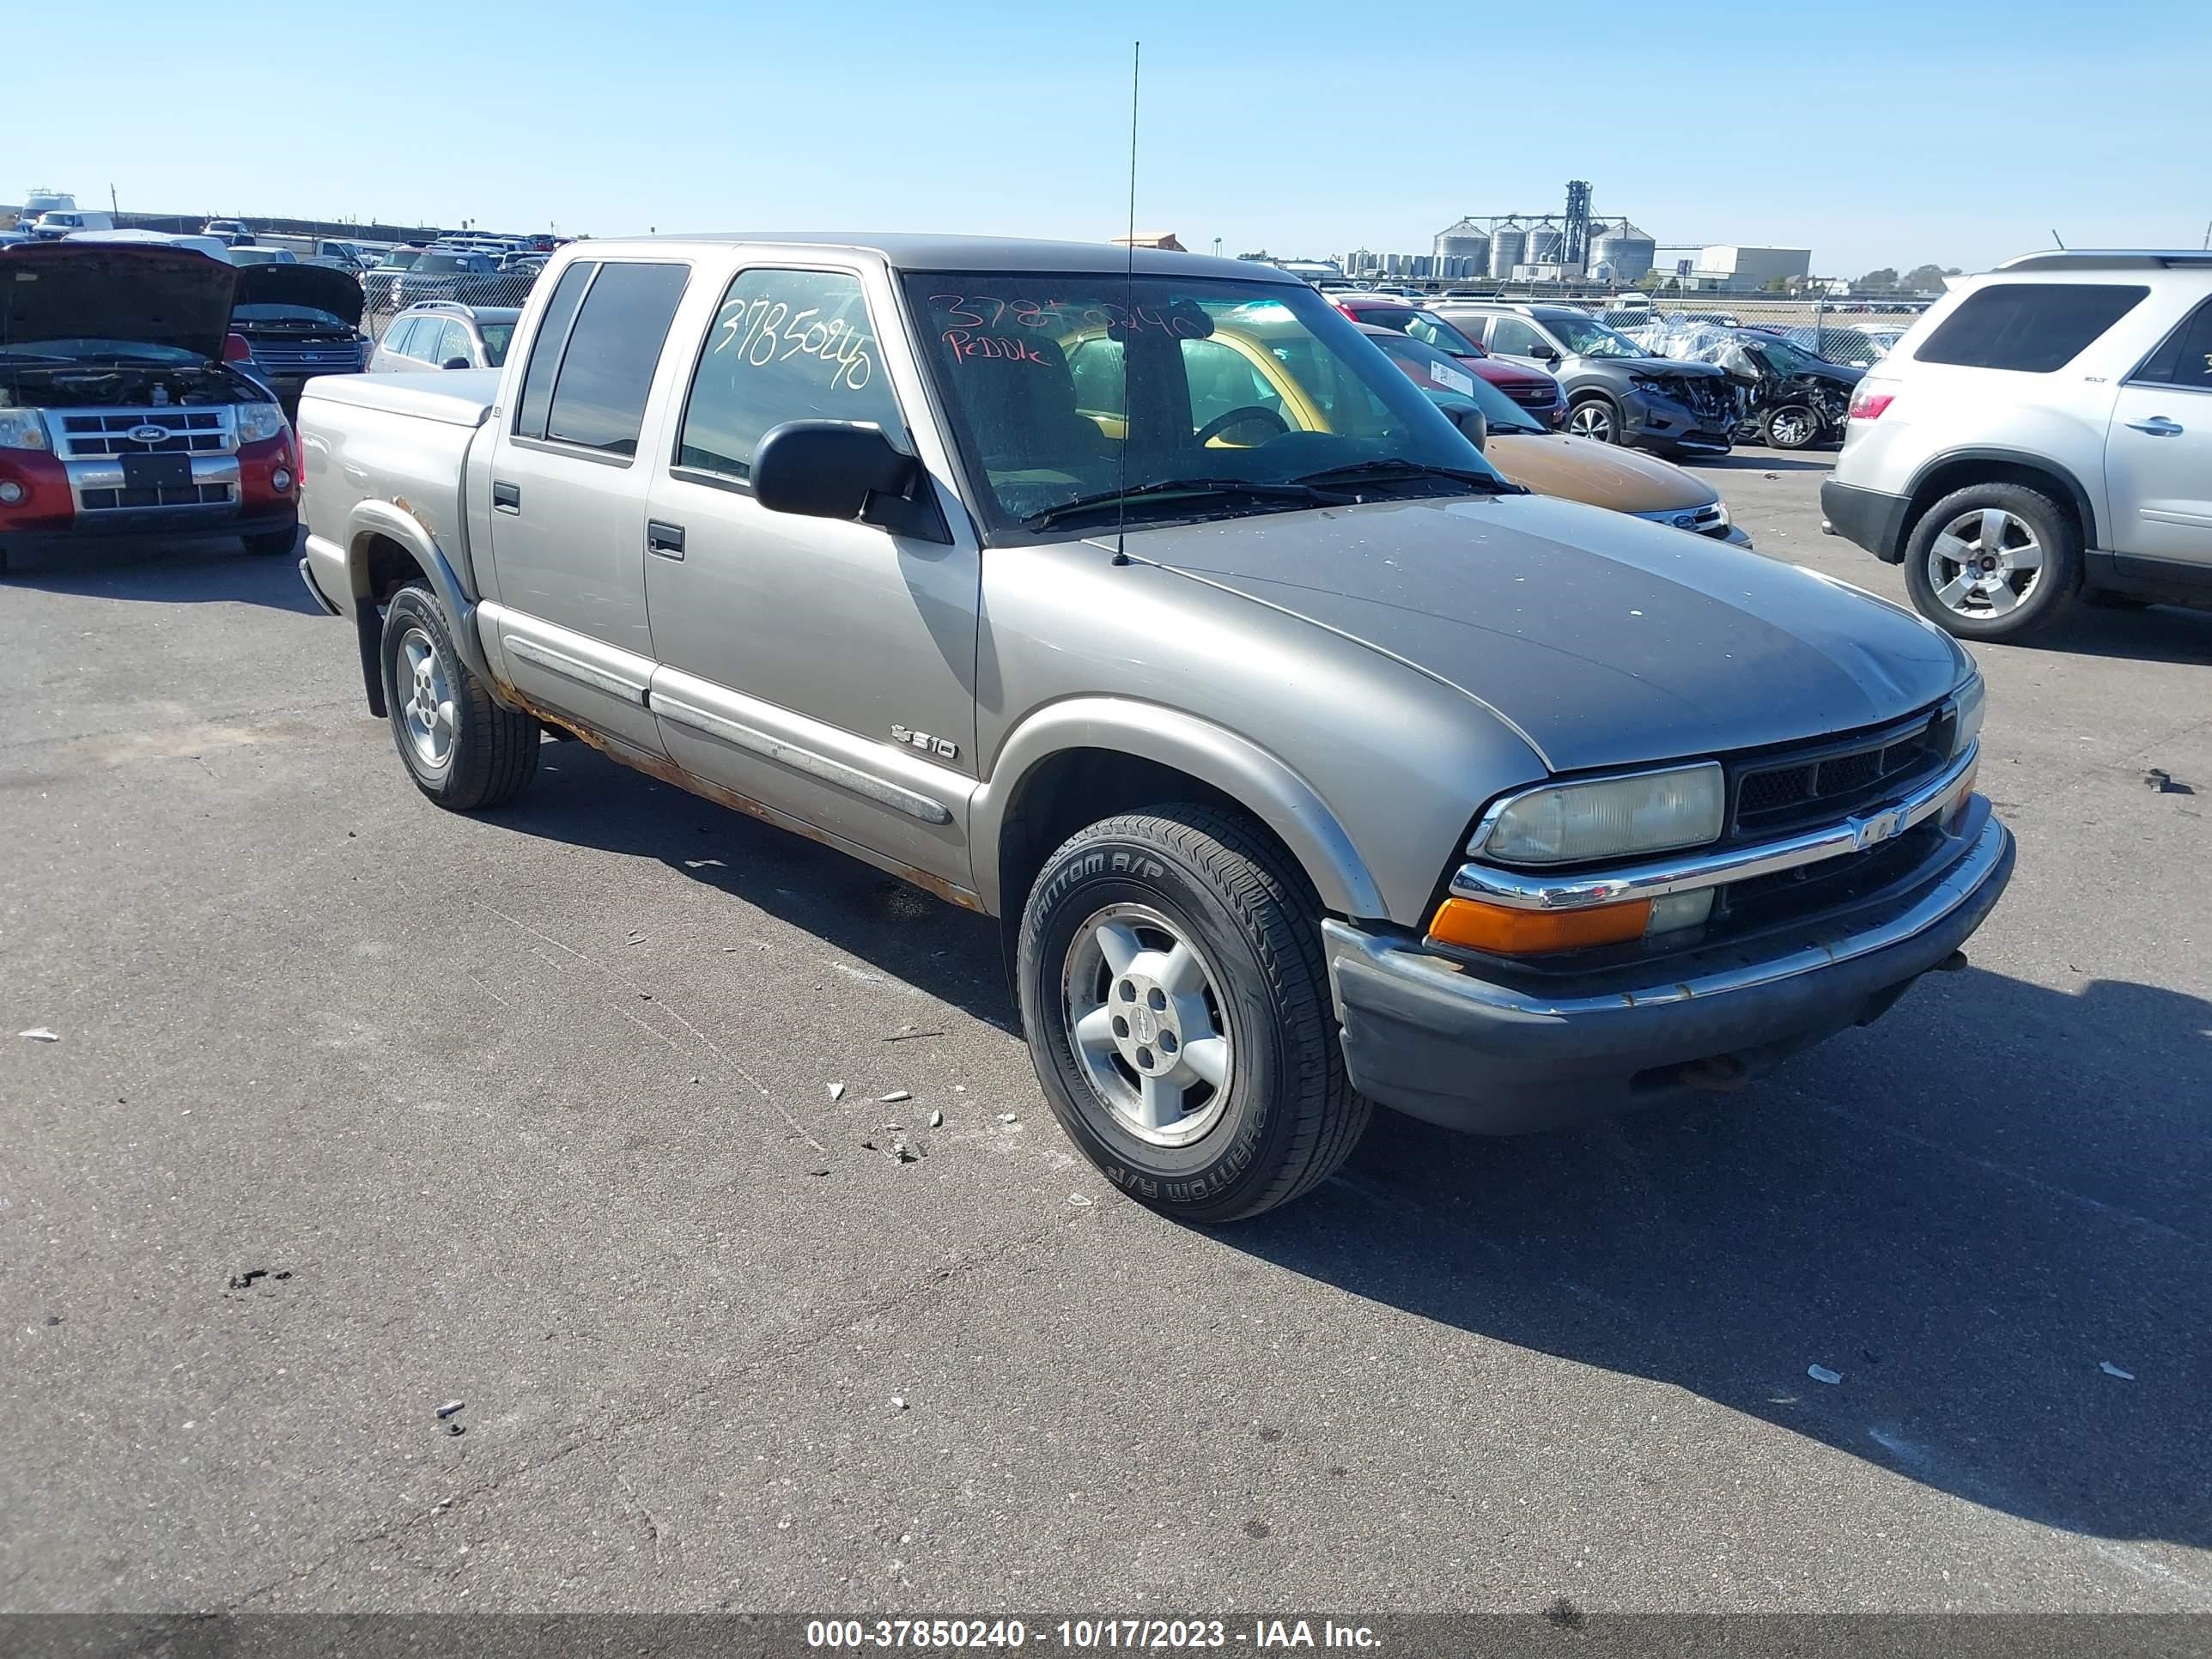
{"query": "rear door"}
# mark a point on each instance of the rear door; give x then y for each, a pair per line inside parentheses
(826, 670)
(568, 487)
(2158, 453)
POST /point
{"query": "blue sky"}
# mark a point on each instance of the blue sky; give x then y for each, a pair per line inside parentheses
(1875, 133)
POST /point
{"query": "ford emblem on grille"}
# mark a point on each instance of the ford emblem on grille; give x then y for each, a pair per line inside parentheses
(148, 434)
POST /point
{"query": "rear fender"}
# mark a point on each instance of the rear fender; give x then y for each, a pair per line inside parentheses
(391, 521)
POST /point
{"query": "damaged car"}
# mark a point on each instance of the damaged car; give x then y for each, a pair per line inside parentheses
(1791, 399)
(300, 321)
(119, 413)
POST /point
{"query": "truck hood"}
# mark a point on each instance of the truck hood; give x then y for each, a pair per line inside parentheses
(147, 295)
(316, 286)
(1604, 475)
(1602, 640)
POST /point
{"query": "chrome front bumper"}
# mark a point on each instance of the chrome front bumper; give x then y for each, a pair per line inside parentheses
(1431, 1037)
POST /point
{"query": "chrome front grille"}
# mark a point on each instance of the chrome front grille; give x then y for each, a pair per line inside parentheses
(308, 357)
(1530, 395)
(184, 432)
(1771, 794)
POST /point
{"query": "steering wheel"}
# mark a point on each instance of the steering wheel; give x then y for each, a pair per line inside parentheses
(1221, 423)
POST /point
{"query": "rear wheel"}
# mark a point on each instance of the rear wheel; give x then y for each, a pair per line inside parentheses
(1596, 418)
(1994, 561)
(464, 750)
(1177, 1002)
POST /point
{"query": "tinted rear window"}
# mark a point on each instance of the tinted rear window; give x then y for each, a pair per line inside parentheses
(2032, 327)
(599, 402)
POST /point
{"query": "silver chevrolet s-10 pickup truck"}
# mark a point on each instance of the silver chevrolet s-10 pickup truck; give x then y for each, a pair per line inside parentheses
(1307, 762)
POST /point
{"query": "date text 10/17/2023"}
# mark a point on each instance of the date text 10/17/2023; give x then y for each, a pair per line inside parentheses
(1089, 1635)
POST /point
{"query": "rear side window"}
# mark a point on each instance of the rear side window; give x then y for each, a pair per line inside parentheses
(599, 399)
(2185, 359)
(545, 349)
(395, 338)
(2033, 328)
(787, 345)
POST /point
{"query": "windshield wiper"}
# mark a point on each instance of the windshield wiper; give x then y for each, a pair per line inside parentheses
(1392, 467)
(1298, 491)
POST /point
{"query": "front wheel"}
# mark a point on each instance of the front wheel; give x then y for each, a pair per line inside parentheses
(1595, 418)
(1177, 1002)
(1793, 426)
(464, 750)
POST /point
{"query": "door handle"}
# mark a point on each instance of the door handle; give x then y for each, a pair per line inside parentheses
(664, 539)
(506, 497)
(2158, 426)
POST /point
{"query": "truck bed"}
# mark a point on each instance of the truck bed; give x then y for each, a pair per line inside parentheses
(457, 397)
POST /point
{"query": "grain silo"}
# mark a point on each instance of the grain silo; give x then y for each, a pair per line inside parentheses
(1466, 242)
(1546, 243)
(1509, 246)
(1626, 252)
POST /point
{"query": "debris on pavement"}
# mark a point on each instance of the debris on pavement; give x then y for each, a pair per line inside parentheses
(245, 1280)
(895, 1096)
(899, 1402)
(821, 1170)
(896, 1150)
(2159, 782)
(2110, 1370)
(41, 1034)
(455, 1428)
(913, 1037)
(1008, 1117)
(451, 1407)
(836, 1092)
(1822, 1374)
(1081, 1200)
(936, 1119)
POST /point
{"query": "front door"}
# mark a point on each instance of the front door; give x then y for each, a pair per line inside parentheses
(2158, 453)
(825, 669)
(569, 501)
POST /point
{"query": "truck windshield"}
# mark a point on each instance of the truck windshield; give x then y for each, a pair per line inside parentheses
(1170, 398)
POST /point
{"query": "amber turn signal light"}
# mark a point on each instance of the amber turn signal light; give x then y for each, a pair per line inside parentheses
(1505, 931)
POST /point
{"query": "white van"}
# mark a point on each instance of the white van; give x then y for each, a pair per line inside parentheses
(58, 222)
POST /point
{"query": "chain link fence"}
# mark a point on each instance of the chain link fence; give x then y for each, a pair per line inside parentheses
(408, 279)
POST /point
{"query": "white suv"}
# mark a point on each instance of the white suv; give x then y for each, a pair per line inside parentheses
(2044, 433)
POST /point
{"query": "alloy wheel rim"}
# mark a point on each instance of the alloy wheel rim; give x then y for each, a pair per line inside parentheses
(1792, 428)
(1984, 564)
(1148, 1026)
(1590, 420)
(426, 701)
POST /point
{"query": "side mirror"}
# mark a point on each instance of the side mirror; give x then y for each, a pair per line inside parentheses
(1544, 354)
(456, 362)
(846, 470)
(1471, 422)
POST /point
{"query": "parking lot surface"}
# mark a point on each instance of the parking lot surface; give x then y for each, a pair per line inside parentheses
(359, 1107)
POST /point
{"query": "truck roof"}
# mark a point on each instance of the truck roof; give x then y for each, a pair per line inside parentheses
(909, 252)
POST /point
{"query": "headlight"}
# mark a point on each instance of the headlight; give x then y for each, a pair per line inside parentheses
(1568, 823)
(1966, 716)
(259, 422)
(21, 429)
(1646, 383)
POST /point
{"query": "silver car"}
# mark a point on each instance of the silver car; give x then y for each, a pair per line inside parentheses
(1139, 602)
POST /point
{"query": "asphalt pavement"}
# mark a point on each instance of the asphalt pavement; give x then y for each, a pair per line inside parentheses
(359, 1109)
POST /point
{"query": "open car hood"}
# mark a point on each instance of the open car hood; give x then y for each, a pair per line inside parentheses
(145, 294)
(317, 286)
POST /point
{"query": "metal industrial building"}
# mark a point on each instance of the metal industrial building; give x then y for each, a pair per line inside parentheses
(1739, 269)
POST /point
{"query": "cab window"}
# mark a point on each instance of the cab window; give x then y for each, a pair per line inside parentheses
(786, 345)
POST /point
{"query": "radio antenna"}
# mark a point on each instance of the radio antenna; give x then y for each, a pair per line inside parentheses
(1128, 316)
